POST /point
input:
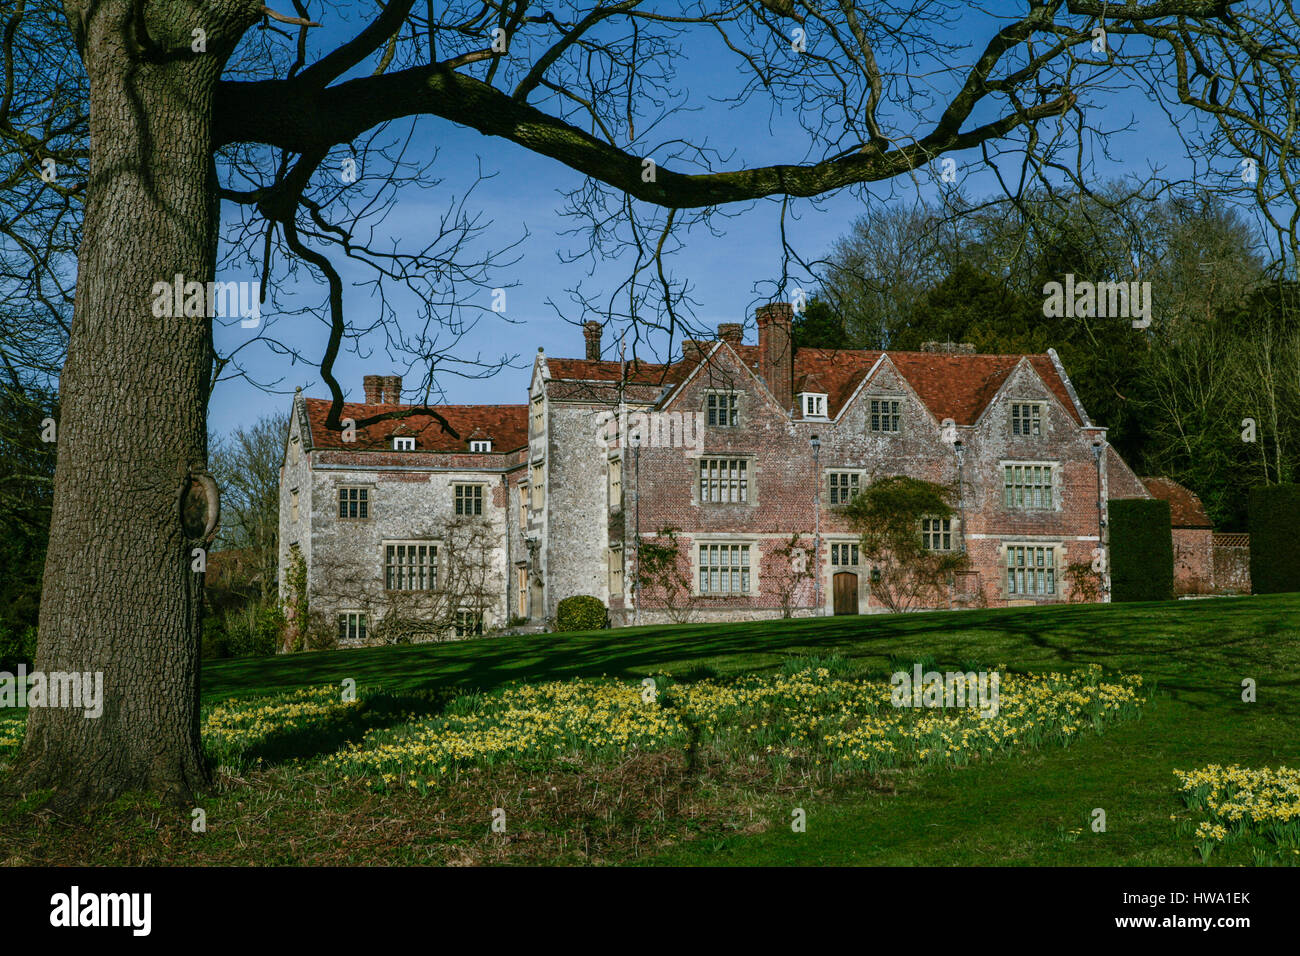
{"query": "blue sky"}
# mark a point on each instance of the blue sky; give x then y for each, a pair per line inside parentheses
(525, 196)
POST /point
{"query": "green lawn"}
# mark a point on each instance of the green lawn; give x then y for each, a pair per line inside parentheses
(1189, 646)
(1017, 809)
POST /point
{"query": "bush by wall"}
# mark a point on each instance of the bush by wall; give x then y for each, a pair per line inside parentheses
(1141, 550)
(1274, 553)
(249, 632)
(582, 612)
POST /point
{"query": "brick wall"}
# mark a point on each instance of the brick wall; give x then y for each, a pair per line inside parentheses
(786, 485)
(1230, 563)
(1193, 560)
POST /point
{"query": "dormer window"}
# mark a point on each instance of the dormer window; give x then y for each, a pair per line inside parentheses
(403, 443)
(480, 445)
(814, 404)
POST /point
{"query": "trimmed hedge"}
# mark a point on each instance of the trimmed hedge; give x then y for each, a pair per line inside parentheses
(1141, 550)
(1274, 554)
(582, 612)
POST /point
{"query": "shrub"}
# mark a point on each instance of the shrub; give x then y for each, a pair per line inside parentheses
(250, 632)
(17, 644)
(888, 513)
(582, 612)
(214, 642)
(319, 633)
(264, 637)
(1274, 557)
(238, 633)
(1141, 550)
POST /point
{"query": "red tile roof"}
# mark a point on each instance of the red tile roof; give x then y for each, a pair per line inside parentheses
(600, 370)
(838, 372)
(1185, 508)
(951, 385)
(506, 425)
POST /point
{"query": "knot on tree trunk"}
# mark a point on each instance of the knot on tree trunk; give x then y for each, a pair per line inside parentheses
(200, 505)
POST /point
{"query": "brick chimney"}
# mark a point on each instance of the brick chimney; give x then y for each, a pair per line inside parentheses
(775, 358)
(733, 333)
(374, 388)
(951, 348)
(392, 389)
(591, 332)
(695, 349)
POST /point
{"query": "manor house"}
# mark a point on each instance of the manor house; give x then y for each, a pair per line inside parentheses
(460, 519)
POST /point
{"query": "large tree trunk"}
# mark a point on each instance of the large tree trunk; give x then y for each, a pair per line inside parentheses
(119, 596)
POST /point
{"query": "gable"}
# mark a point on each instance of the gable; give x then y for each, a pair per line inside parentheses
(956, 386)
(1120, 480)
(722, 369)
(1025, 383)
(885, 379)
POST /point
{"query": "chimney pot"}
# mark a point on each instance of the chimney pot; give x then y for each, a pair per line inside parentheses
(373, 385)
(733, 333)
(591, 332)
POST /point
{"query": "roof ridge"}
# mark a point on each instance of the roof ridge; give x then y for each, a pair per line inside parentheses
(424, 405)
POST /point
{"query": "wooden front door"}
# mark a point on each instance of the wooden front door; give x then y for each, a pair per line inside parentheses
(846, 592)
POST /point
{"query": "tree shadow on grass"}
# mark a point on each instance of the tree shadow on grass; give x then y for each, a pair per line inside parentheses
(1113, 635)
(330, 733)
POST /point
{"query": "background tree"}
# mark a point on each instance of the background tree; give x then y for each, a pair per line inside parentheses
(246, 465)
(26, 485)
(241, 602)
(818, 327)
(43, 162)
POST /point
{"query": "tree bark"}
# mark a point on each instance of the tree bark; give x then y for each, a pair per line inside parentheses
(119, 596)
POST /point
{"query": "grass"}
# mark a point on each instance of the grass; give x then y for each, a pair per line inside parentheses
(1188, 643)
(1035, 807)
